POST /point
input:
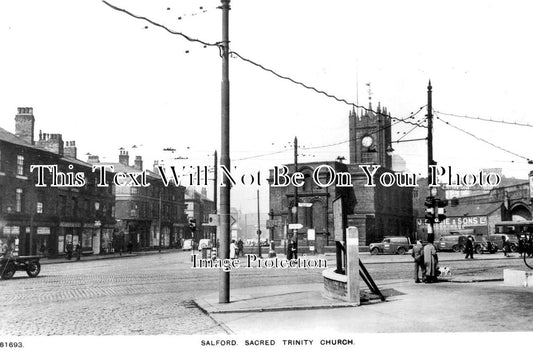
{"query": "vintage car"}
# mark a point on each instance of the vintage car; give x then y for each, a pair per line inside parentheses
(391, 245)
(496, 239)
(455, 242)
(10, 264)
(483, 244)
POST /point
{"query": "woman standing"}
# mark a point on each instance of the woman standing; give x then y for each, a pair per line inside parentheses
(431, 260)
(232, 249)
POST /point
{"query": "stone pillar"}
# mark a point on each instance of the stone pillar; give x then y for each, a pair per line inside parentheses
(352, 264)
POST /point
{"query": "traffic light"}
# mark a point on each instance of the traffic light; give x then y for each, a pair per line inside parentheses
(430, 209)
(441, 212)
(192, 224)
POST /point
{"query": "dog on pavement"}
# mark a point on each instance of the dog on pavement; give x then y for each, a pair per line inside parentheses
(445, 271)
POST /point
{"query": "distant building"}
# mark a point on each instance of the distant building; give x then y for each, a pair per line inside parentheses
(44, 219)
(147, 216)
(199, 207)
(377, 211)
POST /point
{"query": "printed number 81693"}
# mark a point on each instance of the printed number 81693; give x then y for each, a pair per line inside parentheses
(11, 344)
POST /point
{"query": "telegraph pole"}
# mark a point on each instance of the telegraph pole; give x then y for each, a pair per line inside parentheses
(223, 294)
(295, 231)
(258, 227)
(215, 195)
(160, 216)
(431, 231)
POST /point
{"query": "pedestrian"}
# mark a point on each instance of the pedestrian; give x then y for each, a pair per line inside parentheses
(418, 257)
(70, 248)
(505, 245)
(292, 249)
(3, 249)
(521, 245)
(431, 260)
(130, 247)
(42, 250)
(232, 249)
(469, 247)
(78, 252)
(240, 248)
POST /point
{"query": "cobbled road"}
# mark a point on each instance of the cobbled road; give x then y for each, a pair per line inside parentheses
(148, 294)
(153, 294)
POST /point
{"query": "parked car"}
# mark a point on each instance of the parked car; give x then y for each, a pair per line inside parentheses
(483, 244)
(391, 245)
(187, 244)
(205, 244)
(454, 243)
(496, 239)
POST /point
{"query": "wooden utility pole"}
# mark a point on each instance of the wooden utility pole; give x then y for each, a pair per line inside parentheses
(225, 232)
(215, 197)
(258, 228)
(295, 231)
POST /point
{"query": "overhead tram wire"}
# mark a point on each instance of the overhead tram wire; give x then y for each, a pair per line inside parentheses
(484, 140)
(523, 124)
(237, 55)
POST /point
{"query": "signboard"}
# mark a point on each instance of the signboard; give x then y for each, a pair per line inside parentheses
(305, 204)
(310, 234)
(212, 220)
(338, 220)
(43, 230)
(295, 226)
(11, 230)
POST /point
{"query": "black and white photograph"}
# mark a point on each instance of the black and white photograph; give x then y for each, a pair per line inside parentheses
(231, 176)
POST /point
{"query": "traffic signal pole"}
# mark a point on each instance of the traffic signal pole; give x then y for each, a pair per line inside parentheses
(224, 283)
(431, 230)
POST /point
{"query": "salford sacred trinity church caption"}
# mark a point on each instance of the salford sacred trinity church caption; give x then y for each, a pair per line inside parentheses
(323, 176)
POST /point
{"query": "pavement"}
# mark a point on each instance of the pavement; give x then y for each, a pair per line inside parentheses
(446, 306)
(455, 304)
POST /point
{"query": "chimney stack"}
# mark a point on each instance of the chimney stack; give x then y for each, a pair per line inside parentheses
(124, 158)
(70, 149)
(53, 142)
(93, 159)
(25, 124)
(138, 162)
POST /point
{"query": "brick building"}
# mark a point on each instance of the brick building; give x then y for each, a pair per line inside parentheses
(146, 214)
(199, 207)
(315, 211)
(44, 219)
(481, 212)
(379, 210)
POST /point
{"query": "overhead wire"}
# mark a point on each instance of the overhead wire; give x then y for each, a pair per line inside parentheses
(483, 140)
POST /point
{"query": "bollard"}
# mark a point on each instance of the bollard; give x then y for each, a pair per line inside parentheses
(352, 261)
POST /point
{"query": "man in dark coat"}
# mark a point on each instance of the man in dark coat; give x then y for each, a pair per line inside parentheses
(418, 256)
(469, 248)
(70, 249)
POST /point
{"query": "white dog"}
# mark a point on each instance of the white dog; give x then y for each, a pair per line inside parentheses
(445, 271)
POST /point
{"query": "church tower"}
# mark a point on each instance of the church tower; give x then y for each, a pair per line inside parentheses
(370, 137)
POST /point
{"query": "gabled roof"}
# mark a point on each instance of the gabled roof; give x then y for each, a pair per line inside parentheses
(13, 139)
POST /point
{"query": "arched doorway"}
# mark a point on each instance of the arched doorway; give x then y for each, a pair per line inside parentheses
(520, 212)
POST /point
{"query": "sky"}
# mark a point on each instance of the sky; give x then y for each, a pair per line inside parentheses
(101, 78)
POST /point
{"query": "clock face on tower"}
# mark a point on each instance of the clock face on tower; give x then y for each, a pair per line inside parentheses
(367, 141)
